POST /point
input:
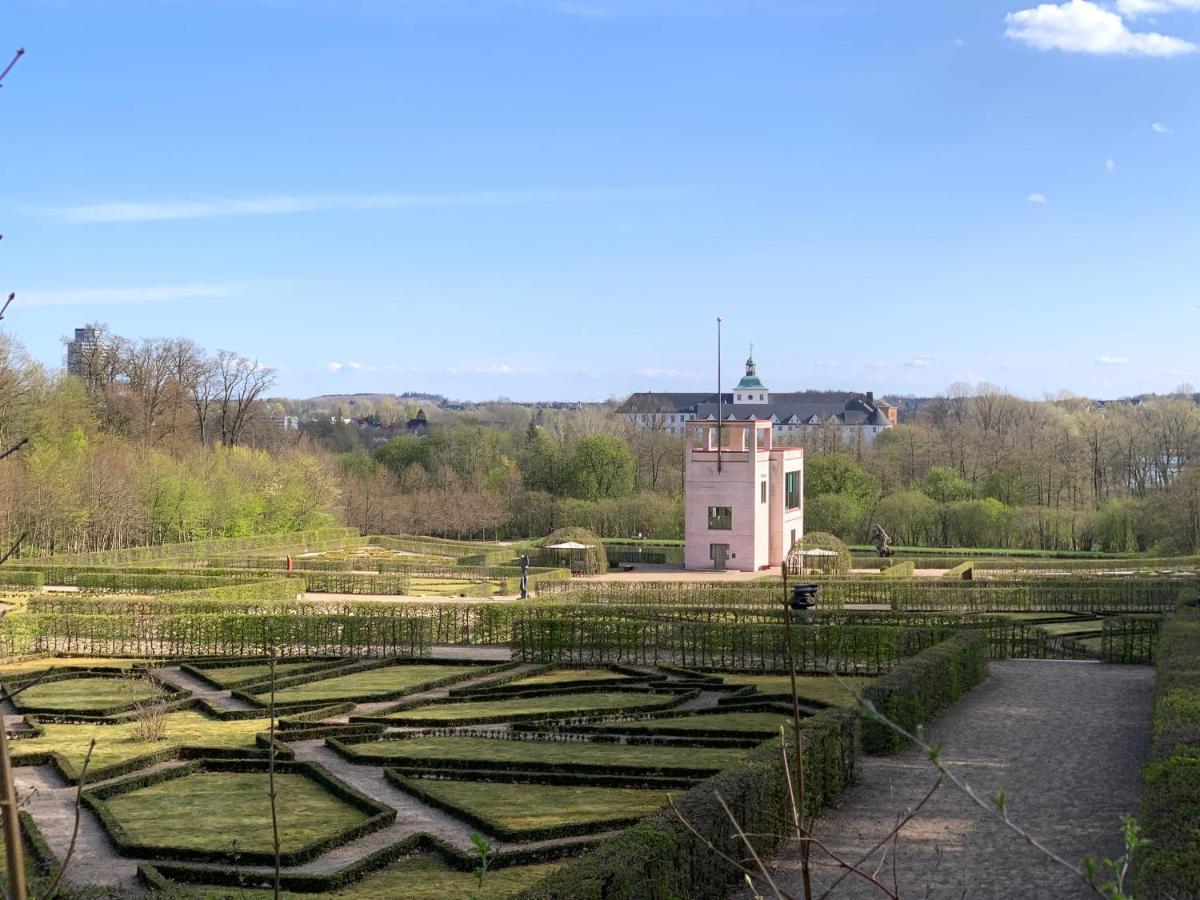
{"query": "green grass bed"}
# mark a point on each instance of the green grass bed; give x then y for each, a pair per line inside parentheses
(822, 688)
(485, 750)
(529, 806)
(730, 721)
(371, 682)
(231, 810)
(85, 695)
(566, 704)
(11, 670)
(234, 675)
(565, 675)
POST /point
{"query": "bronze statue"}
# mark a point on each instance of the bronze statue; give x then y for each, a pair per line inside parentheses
(883, 543)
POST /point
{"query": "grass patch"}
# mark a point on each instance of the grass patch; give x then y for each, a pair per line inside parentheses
(228, 676)
(752, 722)
(84, 695)
(371, 682)
(521, 807)
(809, 687)
(486, 750)
(560, 675)
(418, 878)
(567, 704)
(12, 670)
(1082, 626)
(230, 810)
(115, 744)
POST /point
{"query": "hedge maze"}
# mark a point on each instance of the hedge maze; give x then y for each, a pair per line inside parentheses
(552, 730)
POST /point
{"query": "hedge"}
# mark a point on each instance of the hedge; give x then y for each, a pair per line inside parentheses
(1170, 814)
(10, 578)
(900, 570)
(964, 571)
(917, 688)
(194, 550)
(659, 858)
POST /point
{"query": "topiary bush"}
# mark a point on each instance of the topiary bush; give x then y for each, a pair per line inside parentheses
(839, 564)
(592, 561)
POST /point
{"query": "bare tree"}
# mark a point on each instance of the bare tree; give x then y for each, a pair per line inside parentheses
(240, 383)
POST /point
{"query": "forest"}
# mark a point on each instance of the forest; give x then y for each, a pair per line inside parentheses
(159, 440)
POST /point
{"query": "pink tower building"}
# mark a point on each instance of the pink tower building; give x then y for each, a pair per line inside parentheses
(744, 499)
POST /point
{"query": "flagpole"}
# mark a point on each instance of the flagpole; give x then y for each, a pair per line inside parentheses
(720, 398)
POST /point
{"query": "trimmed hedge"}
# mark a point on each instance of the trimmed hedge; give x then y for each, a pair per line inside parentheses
(1170, 815)
(195, 550)
(11, 578)
(900, 570)
(922, 686)
(964, 571)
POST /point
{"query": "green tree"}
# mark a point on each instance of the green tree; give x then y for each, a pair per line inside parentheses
(838, 473)
(601, 467)
(946, 486)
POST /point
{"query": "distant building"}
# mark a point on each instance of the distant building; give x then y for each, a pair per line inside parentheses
(285, 423)
(790, 414)
(743, 502)
(82, 349)
(418, 426)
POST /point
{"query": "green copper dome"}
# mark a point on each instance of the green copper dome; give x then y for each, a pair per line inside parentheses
(750, 382)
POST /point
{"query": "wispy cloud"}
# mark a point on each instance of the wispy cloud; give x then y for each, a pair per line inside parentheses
(1135, 8)
(675, 374)
(1038, 198)
(335, 367)
(1160, 128)
(1113, 361)
(126, 295)
(1081, 26)
(1110, 165)
(919, 362)
(226, 207)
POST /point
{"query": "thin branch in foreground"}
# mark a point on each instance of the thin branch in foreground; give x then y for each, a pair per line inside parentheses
(749, 846)
(11, 298)
(50, 891)
(20, 52)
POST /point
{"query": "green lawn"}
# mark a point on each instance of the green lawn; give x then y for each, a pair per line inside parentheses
(115, 743)
(368, 683)
(11, 670)
(527, 806)
(418, 878)
(731, 721)
(230, 810)
(234, 675)
(88, 694)
(598, 754)
(822, 688)
(499, 710)
(560, 675)
(1083, 626)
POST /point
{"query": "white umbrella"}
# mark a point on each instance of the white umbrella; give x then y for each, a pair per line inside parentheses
(567, 545)
(817, 551)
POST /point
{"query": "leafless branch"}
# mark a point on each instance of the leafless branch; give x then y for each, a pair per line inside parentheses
(749, 846)
(8, 68)
(16, 546)
(11, 298)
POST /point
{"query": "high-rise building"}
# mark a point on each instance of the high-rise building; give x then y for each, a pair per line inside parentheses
(87, 341)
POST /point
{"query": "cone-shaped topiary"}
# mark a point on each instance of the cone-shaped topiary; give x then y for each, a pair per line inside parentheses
(592, 561)
(819, 564)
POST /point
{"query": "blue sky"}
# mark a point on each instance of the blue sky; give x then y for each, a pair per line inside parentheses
(554, 200)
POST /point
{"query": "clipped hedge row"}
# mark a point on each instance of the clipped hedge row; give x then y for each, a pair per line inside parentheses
(1170, 814)
(659, 858)
(900, 570)
(16, 578)
(919, 687)
(194, 550)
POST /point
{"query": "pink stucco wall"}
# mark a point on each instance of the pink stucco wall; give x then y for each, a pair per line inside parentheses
(759, 530)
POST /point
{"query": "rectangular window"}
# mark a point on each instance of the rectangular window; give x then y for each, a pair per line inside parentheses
(720, 518)
(762, 492)
(791, 490)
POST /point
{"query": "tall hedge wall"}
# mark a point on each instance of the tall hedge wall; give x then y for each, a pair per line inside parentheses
(1170, 815)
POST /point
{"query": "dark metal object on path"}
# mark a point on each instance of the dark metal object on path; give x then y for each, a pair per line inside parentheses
(524, 576)
(804, 596)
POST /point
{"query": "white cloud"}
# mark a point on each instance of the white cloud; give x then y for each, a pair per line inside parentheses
(1113, 361)
(678, 374)
(125, 295)
(335, 367)
(1038, 198)
(1081, 26)
(959, 42)
(881, 364)
(920, 362)
(1135, 8)
(357, 366)
(1160, 128)
(1110, 165)
(224, 207)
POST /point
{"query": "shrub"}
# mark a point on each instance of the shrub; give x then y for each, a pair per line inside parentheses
(905, 569)
(592, 561)
(923, 685)
(1170, 815)
(825, 565)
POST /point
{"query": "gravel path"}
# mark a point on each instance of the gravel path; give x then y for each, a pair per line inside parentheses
(1065, 740)
(174, 676)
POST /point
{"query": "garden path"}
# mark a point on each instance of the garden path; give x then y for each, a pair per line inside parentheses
(199, 689)
(1065, 740)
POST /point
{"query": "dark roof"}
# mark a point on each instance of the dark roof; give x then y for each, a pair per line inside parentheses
(803, 407)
